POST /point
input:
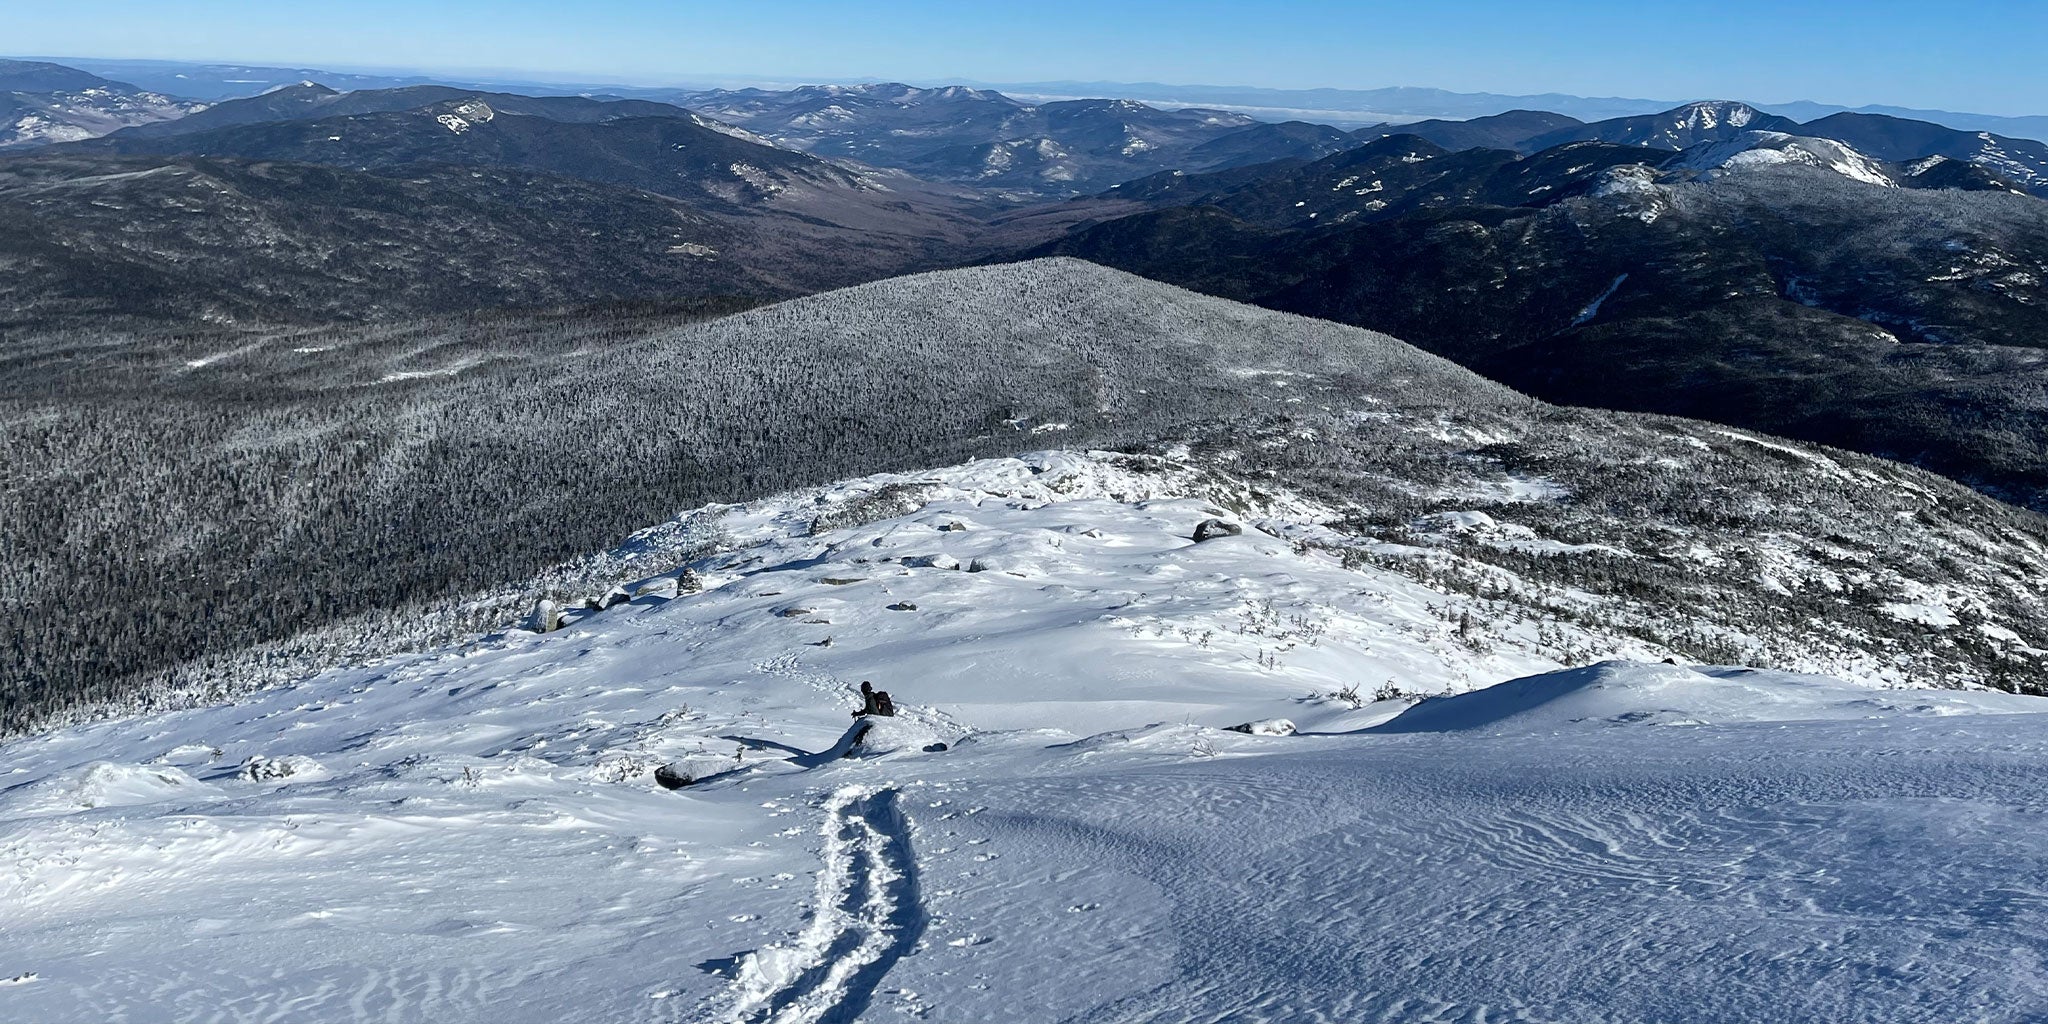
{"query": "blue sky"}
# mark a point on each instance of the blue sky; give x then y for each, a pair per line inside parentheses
(1977, 55)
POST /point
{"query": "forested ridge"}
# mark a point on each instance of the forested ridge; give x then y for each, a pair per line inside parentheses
(177, 501)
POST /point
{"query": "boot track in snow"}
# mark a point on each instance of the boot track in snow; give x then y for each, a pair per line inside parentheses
(869, 915)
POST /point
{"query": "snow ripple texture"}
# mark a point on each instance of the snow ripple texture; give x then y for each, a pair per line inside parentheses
(1868, 873)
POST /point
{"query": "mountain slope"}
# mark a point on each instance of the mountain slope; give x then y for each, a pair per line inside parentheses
(1264, 143)
(1796, 300)
(42, 76)
(451, 459)
(2023, 162)
(93, 242)
(1509, 130)
(1384, 178)
(627, 207)
(1058, 819)
(43, 103)
(1772, 149)
(674, 156)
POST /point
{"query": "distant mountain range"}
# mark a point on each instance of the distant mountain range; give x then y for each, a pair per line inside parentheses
(215, 82)
(1860, 280)
(1397, 105)
(307, 204)
(42, 103)
(1401, 105)
(305, 100)
(1774, 281)
(1354, 107)
(989, 140)
(2019, 163)
(1350, 108)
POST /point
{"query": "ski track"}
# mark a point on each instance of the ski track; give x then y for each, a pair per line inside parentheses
(869, 914)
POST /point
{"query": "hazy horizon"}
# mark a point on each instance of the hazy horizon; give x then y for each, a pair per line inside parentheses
(1830, 52)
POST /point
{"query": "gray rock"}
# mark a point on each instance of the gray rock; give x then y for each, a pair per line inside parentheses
(546, 617)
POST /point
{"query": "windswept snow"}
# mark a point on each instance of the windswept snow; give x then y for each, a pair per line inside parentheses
(1061, 826)
(1621, 693)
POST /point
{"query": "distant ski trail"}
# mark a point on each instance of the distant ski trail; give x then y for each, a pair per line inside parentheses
(869, 914)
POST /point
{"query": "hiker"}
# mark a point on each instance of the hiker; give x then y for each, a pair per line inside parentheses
(875, 702)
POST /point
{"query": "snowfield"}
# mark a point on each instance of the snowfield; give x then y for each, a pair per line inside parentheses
(1060, 825)
(1771, 149)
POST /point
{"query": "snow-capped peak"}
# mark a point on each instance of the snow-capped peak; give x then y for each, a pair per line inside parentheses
(1710, 114)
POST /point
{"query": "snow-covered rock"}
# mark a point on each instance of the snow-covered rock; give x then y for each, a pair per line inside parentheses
(100, 784)
(1266, 727)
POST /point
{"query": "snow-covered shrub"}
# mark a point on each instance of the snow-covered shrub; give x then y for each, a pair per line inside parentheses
(259, 768)
(883, 503)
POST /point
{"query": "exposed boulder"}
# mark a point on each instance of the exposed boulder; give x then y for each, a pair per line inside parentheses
(546, 617)
(1267, 727)
(1210, 529)
(694, 770)
(688, 582)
